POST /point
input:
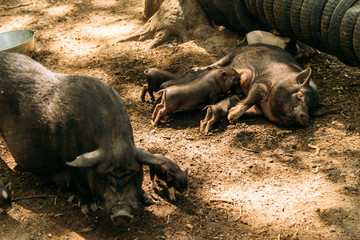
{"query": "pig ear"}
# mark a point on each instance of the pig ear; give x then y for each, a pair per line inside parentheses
(322, 109)
(144, 157)
(245, 74)
(88, 159)
(223, 75)
(170, 176)
(303, 77)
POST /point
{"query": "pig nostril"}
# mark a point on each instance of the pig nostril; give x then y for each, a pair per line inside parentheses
(121, 216)
(303, 118)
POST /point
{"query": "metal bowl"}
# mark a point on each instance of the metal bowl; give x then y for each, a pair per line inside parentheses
(20, 41)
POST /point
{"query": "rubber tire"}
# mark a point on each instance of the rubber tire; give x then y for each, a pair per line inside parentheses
(325, 22)
(305, 21)
(316, 15)
(214, 13)
(295, 18)
(356, 38)
(346, 34)
(251, 6)
(335, 23)
(260, 10)
(269, 13)
(238, 15)
(282, 17)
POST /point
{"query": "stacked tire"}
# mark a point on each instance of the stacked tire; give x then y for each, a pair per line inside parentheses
(332, 26)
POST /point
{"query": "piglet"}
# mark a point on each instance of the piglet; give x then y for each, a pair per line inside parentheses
(217, 112)
(207, 88)
(258, 36)
(5, 198)
(170, 172)
(155, 77)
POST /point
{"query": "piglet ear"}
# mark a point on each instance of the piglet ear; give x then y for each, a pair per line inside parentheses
(303, 77)
(147, 158)
(223, 75)
(245, 74)
(322, 110)
(170, 176)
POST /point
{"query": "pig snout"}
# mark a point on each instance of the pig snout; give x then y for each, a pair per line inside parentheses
(302, 118)
(121, 215)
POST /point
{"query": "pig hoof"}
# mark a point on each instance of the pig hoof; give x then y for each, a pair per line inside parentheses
(93, 207)
(147, 200)
(121, 217)
(84, 209)
(236, 112)
(172, 193)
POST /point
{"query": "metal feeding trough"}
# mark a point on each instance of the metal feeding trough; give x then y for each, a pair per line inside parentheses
(20, 41)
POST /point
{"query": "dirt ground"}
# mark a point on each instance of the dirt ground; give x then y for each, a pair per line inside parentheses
(249, 180)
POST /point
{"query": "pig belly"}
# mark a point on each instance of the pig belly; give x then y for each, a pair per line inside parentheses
(188, 106)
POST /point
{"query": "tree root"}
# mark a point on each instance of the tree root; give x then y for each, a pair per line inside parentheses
(182, 18)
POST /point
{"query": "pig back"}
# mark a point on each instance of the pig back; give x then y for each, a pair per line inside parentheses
(264, 60)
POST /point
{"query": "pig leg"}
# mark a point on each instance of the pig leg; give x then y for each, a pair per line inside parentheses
(209, 125)
(256, 94)
(172, 193)
(93, 206)
(143, 92)
(223, 62)
(206, 119)
(254, 111)
(151, 93)
(156, 114)
(162, 112)
(152, 177)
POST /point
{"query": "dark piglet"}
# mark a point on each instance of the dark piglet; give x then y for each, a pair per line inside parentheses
(5, 198)
(217, 112)
(204, 90)
(155, 77)
(73, 129)
(275, 85)
(158, 79)
(170, 172)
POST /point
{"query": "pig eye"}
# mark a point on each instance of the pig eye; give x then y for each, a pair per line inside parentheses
(300, 96)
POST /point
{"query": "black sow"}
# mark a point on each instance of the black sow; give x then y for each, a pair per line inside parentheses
(73, 129)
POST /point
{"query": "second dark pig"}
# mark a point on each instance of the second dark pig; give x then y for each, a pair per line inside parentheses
(170, 172)
(155, 77)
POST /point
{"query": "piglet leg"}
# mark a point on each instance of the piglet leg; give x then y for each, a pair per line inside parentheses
(155, 116)
(172, 193)
(209, 124)
(203, 123)
(223, 62)
(256, 94)
(143, 92)
(160, 113)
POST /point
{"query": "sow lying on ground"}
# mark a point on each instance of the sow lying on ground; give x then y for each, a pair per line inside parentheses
(273, 84)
